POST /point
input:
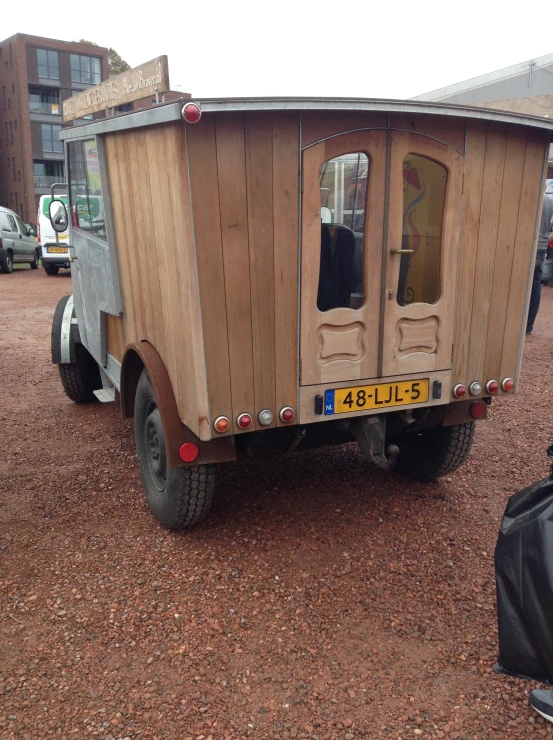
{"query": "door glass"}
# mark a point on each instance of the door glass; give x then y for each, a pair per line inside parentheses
(86, 190)
(343, 186)
(424, 188)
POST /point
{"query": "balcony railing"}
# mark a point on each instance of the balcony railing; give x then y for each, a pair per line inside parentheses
(52, 109)
(46, 181)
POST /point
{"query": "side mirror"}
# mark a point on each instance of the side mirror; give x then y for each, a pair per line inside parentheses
(57, 213)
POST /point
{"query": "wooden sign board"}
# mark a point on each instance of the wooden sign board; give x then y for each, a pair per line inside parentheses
(137, 83)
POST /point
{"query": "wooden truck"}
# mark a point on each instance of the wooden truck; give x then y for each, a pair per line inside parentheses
(260, 275)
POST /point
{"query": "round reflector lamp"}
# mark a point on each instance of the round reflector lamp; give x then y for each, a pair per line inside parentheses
(286, 414)
(265, 417)
(507, 384)
(459, 390)
(477, 409)
(244, 421)
(492, 386)
(188, 452)
(475, 389)
(191, 112)
(221, 424)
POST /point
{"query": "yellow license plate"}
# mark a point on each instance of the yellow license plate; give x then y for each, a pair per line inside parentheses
(57, 250)
(379, 396)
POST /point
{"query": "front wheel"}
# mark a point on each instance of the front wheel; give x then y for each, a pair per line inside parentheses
(434, 453)
(51, 269)
(7, 267)
(34, 263)
(177, 497)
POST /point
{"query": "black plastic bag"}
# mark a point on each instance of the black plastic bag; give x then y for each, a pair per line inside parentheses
(524, 581)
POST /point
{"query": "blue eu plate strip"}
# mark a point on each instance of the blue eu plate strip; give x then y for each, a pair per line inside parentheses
(329, 402)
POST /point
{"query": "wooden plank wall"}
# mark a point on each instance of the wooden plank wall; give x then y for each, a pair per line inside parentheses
(245, 167)
(502, 196)
(155, 246)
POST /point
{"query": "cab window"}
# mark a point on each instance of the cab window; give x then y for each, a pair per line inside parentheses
(87, 205)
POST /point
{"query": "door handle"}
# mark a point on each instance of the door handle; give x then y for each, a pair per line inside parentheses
(401, 251)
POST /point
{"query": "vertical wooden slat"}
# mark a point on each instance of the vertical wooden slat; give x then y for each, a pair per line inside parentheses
(259, 175)
(468, 244)
(202, 163)
(531, 196)
(492, 183)
(192, 353)
(508, 217)
(231, 166)
(286, 224)
(116, 336)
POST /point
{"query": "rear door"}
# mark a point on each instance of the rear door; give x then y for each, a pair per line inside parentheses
(378, 279)
(27, 244)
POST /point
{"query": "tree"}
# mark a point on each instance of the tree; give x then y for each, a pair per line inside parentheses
(116, 63)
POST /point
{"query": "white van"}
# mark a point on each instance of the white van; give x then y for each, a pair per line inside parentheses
(54, 253)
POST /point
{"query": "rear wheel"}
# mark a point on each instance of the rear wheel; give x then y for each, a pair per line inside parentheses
(434, 453)
(51, 269)
(34, 263)
(7, 267)
(80, 378)
(177, 497)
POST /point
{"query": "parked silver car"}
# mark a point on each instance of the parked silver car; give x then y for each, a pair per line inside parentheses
(17, 246)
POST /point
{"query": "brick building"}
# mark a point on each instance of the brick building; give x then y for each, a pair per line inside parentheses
(36, 75)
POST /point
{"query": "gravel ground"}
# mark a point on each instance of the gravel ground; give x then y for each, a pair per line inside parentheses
(321, 599)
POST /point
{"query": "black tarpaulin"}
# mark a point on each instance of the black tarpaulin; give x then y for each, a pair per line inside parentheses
(524, 581)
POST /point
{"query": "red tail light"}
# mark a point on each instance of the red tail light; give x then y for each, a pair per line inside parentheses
(477, 409)
(492, 386)
(459, 390)
(188, 452)
(191, 113)
(244, 421)
(286, 414)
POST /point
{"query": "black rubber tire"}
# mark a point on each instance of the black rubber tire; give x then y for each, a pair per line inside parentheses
(434, 453)
(51, 269)
(34, 263)
(178, 497)
(7, 267)
(81, 378)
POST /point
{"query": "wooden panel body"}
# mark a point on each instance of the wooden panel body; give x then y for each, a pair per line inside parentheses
(155, 246)
(502, 197)
(207, 225)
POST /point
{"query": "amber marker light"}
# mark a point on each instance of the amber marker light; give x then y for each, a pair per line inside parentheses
(286, 414)
(191, 113)
(507, 384)
(221, 424)
(188, 452)
(244, 421)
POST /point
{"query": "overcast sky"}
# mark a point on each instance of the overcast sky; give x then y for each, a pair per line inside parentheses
(388, 49)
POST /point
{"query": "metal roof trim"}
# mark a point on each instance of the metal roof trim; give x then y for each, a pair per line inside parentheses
(172, 112)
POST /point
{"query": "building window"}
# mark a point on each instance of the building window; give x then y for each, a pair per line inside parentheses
(50, 138)
(9, 102)
(11, 57)
(11, 132)
(13, 167)
(19, 175)
(47, 173)
(8, 161)
(7, 136)
(48, 64)
(86, 70)
(15, 124)
(44, 100)
(4, 94)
